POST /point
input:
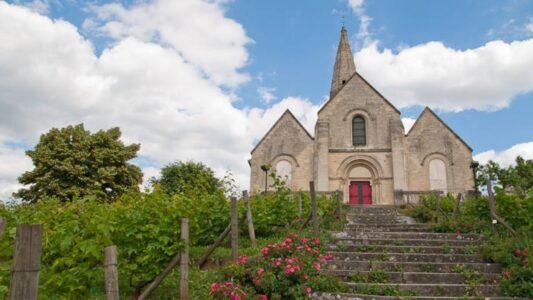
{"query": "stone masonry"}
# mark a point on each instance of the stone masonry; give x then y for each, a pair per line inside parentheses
(429, 157)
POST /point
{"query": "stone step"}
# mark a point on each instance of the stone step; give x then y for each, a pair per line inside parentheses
(405, 249)
(408, 257)
(411, 277)
(404, 242)
(418, 289)
(434, 267)
(346, 296)
(389, 227)
(419, 235)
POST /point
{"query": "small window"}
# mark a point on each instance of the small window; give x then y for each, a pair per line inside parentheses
(284, 171)
(358, 131)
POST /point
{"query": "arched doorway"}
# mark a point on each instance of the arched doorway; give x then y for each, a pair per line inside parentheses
(360, 185)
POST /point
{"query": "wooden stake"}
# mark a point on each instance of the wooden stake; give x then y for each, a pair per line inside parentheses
(234, 230)
(249, 217)
(26, 263)
(111, 273)
(339, 203)
(492, 206)
(184, 265)
(314, 217)
(299, 204)
(2, 226)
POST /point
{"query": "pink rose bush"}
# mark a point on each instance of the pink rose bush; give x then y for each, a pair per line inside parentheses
(285, 270)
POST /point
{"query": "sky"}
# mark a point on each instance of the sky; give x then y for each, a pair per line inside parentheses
(204, 80)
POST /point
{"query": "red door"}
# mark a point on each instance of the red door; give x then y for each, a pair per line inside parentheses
(360, 193)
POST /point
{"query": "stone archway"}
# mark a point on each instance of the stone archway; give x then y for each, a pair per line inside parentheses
(361, 168)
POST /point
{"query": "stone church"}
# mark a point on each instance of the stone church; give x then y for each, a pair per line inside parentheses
(359, 147)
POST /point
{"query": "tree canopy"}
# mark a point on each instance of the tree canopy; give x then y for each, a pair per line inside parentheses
(71, 162)
(188, 178)
(519, 177)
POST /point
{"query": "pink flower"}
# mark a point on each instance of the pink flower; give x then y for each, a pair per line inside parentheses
(525, 261)
(316, 241)
(518, 252)
(237, 297)
(308, 290)
(260, 271)
(316, 266)
(305, 240)
(242, 260)
(506, 274)
(265, 250)
(262, 297)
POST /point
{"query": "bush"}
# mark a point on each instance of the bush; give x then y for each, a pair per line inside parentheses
(286, 270)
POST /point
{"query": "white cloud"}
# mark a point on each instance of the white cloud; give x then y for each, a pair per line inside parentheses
(13, 163)
(260, 120)
(483, 78)
(407, 124)
(50, 76)
(266, 94)
(506, 157)
(530, 27)
(363, 35)
(197, 29)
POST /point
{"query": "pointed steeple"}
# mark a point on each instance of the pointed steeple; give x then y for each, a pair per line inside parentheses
(344, 64)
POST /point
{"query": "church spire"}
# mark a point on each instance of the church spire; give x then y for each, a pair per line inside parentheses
(344, 64)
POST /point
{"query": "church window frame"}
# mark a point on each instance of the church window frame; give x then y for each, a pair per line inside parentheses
(359, 130)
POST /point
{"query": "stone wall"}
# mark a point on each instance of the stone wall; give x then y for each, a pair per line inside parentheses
(431, 138)
(286, 140)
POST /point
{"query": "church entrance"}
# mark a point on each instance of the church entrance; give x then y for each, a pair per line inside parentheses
(360, 193)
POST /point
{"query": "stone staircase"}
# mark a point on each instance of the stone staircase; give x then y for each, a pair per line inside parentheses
(383, 255)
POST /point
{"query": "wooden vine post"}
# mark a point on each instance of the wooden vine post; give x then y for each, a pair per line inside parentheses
(111, 273)
(339, 202)
(184, 261)
(314, 216)
(26, 263)
(249, 218)
(177, 259)
(492, 206)
(234, 230)
(2, 226)
(299, 198)
(457, 208)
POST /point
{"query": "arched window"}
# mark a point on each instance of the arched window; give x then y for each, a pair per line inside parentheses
(284, 170)
(437, 175)
(358, 131)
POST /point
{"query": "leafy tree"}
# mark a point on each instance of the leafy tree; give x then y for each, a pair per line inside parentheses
(71, 162)
(188, 178)
(518, 178)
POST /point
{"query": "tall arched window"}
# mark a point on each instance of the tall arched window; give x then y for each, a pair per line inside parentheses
(437, 175)
(358, 131)
(284, 170)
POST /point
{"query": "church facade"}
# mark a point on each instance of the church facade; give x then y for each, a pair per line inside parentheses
(359, 147)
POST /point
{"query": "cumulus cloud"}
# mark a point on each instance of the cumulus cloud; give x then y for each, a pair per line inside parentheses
(13, 163)
(198, 30)
(266, 94)
(530, 27)
(363, 35)
(506, 157)
(260, 120)
(407, 124)
(50, 76)
(484, 78)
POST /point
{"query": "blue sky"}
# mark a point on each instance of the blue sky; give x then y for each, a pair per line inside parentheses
(204, 80)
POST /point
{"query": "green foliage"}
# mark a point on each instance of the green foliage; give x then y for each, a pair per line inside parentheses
(518, 178)
(191, 179)
(144, 227)
(71, 163)
(286, 270)
(511, 251)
